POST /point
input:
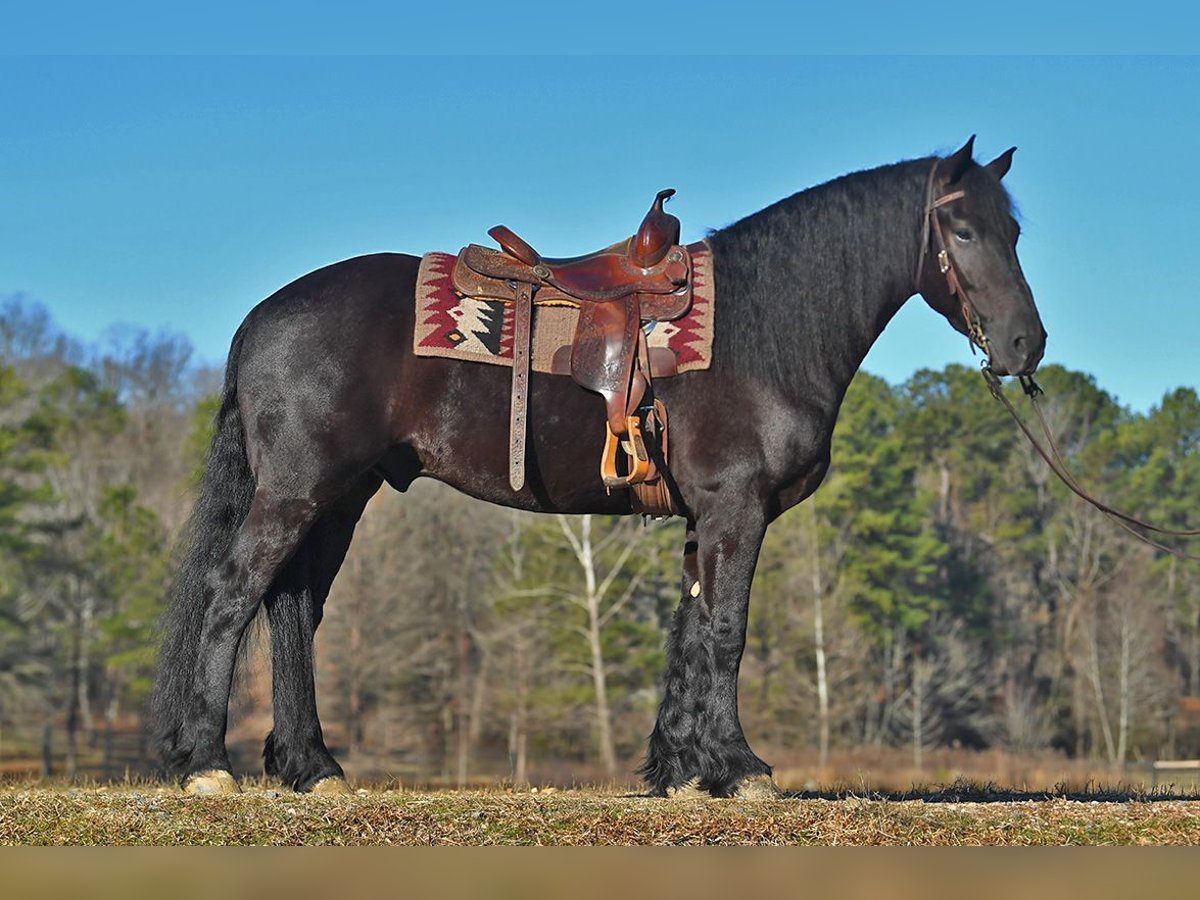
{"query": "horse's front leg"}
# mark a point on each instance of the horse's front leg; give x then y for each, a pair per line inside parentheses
(697, 742)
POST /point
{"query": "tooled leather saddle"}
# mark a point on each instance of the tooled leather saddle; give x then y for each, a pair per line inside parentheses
(642, 279)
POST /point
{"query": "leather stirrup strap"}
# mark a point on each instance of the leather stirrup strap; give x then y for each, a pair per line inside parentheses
(518, 416)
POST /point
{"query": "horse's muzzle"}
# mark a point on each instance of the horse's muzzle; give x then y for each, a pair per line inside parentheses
(1017, 355)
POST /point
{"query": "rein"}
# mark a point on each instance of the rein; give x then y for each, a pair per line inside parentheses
(1054, 460)
(1048, 452)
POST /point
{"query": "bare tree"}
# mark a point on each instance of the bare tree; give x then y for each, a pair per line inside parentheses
(517, 645)
(407, 622)
(600, 608)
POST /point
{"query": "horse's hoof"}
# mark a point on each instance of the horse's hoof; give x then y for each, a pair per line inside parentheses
(758, 787)
(689, 790)
(211, 783)
(332, 786)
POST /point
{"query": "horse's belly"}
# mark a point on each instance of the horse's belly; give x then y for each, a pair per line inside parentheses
(463, 438)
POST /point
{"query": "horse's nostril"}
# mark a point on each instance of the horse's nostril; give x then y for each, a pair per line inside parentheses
(1026, 352)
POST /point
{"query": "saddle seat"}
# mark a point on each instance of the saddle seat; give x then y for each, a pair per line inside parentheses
(616, 271)
(644, 278)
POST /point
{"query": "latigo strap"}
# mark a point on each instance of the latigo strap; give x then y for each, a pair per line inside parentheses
(518, 417)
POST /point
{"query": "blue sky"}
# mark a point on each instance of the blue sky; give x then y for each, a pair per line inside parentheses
(176, 192)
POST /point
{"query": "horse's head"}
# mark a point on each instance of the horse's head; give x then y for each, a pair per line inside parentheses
(968, 270)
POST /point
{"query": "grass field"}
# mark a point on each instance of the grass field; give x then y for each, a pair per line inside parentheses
(151, 814)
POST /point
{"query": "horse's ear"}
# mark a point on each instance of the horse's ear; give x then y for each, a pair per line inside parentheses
(956, 164)
(1002, 163)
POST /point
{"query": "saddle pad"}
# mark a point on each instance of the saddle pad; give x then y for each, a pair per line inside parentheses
(481, 330)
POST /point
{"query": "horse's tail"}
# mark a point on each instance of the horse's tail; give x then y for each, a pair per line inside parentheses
(226, 490)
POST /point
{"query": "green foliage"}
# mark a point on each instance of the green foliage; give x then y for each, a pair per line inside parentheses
(889, 571)
(1162, 453)
(20, 458)
(75, 408)
(127, 554)
(200, 435)
(22, 492)
(82, 565)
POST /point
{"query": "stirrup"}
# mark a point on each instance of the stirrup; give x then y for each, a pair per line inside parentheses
(633, 448)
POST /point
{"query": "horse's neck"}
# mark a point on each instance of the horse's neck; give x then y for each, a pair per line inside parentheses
(874, 300)
(824, 280)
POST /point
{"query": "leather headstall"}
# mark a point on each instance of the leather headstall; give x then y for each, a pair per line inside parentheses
(945, 263)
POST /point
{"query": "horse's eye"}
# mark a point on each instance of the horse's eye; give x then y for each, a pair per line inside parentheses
(964, 235)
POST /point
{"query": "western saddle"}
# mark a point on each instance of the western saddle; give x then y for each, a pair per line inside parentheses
(642, 279)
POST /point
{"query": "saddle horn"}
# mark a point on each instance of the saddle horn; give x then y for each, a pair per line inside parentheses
(658, 232)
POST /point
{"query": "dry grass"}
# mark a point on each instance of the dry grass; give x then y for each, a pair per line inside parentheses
(962, 815)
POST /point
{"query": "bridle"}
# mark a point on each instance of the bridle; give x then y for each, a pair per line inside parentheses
(930, 224)
(1048, 452)
(970, 314)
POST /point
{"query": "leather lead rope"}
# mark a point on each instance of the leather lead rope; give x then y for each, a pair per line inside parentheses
(1054, 460)
(1052, 456)
(519, 413)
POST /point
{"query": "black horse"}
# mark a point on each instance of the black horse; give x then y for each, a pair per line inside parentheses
(324, 401)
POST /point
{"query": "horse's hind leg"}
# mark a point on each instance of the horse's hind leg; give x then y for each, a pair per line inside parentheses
(295, 750)
(271, 532)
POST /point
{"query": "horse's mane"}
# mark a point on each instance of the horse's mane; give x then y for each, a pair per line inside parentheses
(797, 279)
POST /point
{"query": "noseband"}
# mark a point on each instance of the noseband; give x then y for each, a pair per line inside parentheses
(946, 265)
